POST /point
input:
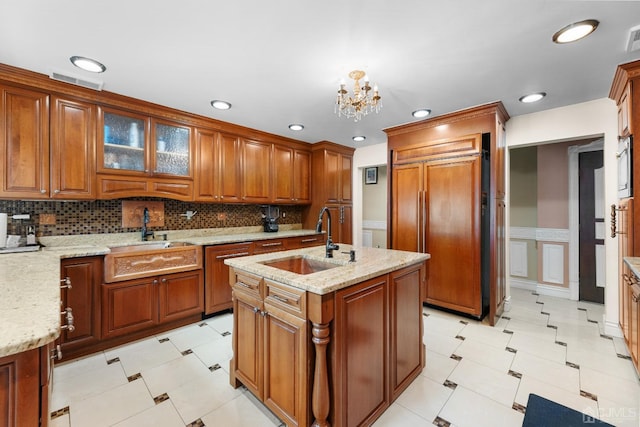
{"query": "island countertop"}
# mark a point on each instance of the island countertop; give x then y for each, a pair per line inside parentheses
(369, 263)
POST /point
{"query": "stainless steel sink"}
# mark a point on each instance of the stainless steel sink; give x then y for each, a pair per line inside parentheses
(301, 265)
(150, 259)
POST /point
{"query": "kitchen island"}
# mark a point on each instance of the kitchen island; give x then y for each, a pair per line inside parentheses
(328, 341)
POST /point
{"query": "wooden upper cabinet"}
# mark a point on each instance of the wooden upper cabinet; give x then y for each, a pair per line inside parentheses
(333, 170)
(123, 142)
(624, 112)
(291, 175)
(24, 143)
(73, 130)
(171, 149)
(256, 171)
(217, 167)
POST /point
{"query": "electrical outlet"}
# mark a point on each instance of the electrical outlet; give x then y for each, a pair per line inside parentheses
(222, 216)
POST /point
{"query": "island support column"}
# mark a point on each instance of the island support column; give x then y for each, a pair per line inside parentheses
(320, 315)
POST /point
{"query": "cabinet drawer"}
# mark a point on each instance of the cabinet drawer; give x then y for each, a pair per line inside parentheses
(265, 246)
(304, 242)
(248, 284)
(287, 298)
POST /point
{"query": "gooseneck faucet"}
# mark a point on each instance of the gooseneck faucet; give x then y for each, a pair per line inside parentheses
(145, 221)
(330, 245)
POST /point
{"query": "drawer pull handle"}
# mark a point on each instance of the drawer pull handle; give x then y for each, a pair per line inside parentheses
(309, 240)
(281, 299)
(244, 285)
(232, 255)
(67, 283)
(271, 244)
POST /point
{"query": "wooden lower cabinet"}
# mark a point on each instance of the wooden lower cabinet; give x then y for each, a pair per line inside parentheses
(135, 305)
(80, 292)
(217, 287)
(341, 358)
(24, 388)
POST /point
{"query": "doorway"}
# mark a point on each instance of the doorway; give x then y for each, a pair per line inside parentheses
(591, 228)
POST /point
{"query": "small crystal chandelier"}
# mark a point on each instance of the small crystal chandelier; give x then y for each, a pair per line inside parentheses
(363, 101)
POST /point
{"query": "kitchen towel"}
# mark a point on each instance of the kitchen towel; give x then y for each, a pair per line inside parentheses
(3, 230)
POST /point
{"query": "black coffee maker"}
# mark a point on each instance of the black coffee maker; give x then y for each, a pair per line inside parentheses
(270, 215)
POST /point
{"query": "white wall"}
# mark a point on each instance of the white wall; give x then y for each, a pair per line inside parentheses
(372, 155)
(588, 119)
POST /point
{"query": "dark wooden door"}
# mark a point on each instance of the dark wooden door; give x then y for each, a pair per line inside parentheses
(590, 221)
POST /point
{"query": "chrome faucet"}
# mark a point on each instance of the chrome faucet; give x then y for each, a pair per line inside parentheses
(330, 245)
(145, 221)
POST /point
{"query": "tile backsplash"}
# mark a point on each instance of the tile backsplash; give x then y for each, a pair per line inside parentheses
(105, 216)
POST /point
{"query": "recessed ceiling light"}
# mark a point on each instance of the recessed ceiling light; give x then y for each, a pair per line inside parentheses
(87, 64)
(421, 113)
(359, 138)
(296, 126)
(575, 31)
(220, 105)
(532, 97)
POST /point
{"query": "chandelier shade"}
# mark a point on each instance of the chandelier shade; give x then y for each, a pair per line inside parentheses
(363, 101)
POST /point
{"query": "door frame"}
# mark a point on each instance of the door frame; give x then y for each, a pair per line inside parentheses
(574, 213)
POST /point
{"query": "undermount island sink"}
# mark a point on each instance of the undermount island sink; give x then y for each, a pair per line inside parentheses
(150, 259)
(301, 264)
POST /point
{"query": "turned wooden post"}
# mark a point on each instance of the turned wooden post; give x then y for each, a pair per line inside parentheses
(320, 395)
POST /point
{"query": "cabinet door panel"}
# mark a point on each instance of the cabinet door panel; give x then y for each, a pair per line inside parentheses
(85, 276)
(206, 167)
(128, 307)
(248, 343)
(285, 361)
(24, 143)
(283, 174)
(217, 286)
(72, 149)
(229, 167)
(19, 389)
(332, 173)
(301, 176)
(407, 207)
(453, 234)
(181, 295)
(362, 341)
(345, 178)
(256, 172)
(407, 348)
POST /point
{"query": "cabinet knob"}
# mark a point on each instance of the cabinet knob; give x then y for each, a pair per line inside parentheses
(256, 310)
(43, 191)
(164, 280)
(56, 191)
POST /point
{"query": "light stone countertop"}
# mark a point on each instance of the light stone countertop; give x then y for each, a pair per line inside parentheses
(370, 263)
(30, 281)
(634, 264)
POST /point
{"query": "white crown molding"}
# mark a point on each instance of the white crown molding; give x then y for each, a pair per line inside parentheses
(526, 233)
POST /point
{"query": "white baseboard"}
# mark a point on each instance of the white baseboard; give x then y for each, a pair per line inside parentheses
(550, 290)
(612, 328)
(528, 285)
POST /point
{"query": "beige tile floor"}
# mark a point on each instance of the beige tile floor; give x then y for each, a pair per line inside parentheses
(476, 375)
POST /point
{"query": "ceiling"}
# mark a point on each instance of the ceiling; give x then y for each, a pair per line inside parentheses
(280, 62)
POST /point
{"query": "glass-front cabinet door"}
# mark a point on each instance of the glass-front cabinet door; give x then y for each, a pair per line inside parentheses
(124, 141)
(172, 149)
